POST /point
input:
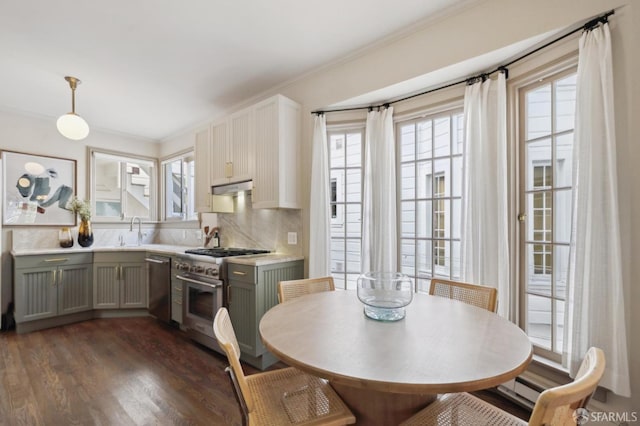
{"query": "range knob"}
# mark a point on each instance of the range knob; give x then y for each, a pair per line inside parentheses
(198, 269)
(182, 266)
(212, 272)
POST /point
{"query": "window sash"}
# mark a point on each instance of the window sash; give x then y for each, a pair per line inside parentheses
(429, 152)
(126, 181)
(178, 188)
(346, 147)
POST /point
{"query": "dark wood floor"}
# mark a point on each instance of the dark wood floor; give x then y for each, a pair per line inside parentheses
(132, 371)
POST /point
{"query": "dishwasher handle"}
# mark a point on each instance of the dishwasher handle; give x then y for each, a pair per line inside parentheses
(153, 260)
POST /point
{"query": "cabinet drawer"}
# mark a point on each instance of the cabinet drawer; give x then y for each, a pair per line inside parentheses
(118, 257)
(52, 260)
(245, 273)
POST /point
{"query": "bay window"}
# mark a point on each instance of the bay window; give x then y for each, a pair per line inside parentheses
(430, 176)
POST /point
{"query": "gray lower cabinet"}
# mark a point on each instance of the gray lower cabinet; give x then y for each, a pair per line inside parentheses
(50, 286)
(253, 290)
(119, 281)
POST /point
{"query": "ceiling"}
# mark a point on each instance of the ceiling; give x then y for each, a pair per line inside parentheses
(154, 68)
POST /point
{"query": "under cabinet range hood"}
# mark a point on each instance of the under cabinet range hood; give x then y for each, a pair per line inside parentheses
(232, 188)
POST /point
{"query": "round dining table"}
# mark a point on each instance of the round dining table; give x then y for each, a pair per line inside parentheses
(387, 371)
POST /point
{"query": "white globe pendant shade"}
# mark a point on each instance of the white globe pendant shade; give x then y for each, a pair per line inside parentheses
(72, 126)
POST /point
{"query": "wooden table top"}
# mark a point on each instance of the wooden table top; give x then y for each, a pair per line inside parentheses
(441, 345)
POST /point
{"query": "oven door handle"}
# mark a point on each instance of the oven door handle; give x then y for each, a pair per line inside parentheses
(191, 280)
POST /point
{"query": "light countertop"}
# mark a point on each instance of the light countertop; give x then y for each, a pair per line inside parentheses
(157, 248)
(262, 259)
(253, 260)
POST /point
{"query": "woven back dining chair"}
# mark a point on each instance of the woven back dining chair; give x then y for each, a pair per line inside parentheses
(284, 396)
(555, 406)
(291, 289)
(472, 294)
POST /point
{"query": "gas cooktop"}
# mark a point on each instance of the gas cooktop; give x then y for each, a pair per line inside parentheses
(225, 252)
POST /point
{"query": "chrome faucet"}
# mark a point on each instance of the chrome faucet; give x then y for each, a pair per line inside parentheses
(133, 219)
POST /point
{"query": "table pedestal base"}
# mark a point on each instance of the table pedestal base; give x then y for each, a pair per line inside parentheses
(373, 407)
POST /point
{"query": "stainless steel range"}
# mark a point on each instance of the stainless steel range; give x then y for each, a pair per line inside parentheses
(202, 272)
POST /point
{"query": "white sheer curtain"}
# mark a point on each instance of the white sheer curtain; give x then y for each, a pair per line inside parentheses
(379, 243)
(595, 304)
(484, 246)
(319, 227)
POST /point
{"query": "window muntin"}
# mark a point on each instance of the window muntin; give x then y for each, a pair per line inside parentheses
(345, 169)
(548, 107)
(122, 186)
(430, 188)
(178, 178)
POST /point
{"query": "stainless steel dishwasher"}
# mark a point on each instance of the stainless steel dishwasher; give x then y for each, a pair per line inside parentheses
(159, 287)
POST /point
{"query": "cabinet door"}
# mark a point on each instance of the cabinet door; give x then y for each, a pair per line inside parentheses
(219, 155)
(266, 173)
(133, 289)
(203, 171)
(242, 310)
(277, 129)
(36, 293)
(241, 146)
(74, 289)
(106, 285)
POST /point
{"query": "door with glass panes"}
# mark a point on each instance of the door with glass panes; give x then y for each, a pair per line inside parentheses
(546, 145)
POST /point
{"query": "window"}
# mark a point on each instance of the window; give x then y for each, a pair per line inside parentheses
(430, 182)
(178, 178)
(122, 186)
(345, 164)
(547, 126)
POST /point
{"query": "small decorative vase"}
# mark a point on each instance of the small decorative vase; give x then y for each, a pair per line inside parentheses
(85, 233)
(385, 294)
(64, 238)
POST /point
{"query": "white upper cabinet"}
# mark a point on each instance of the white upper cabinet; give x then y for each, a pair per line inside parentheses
(277, 138)
(202, 151)
(259, 143)
(232, 148)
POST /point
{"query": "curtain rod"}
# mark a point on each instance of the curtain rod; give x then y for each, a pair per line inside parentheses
(588, 26)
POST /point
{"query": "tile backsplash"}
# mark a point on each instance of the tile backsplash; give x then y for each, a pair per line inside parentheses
(246, 227)
(260, 228)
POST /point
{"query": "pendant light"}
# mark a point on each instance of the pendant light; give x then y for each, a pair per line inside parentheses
(71, 125)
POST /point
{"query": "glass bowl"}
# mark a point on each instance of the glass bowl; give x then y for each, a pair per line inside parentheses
(385, 294)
